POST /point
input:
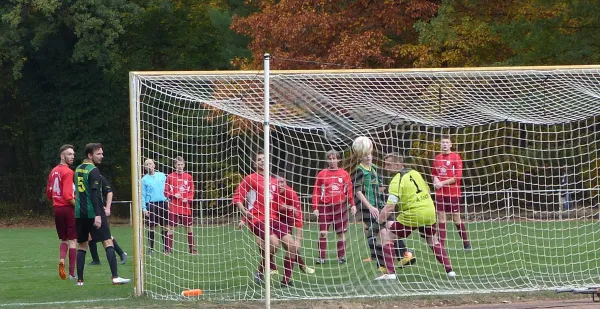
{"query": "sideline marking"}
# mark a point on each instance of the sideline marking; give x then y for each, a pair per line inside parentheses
(61, 302)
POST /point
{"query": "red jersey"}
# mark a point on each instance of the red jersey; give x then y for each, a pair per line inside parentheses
(446, 166)
(60, 187)
(291, 217)
(251, 190)
(332, 187)
(184, 185)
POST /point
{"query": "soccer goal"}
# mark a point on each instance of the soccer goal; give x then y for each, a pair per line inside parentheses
(528, 138)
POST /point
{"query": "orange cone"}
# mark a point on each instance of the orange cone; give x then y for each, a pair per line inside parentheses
(192, 293)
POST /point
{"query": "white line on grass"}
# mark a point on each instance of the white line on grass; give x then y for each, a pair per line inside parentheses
(61, 302)
(19, 267)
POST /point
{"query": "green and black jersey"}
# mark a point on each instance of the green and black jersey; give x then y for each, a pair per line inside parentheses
(88, 193)
(368, 181)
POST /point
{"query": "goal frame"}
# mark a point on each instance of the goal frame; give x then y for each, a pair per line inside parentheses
(136, 142)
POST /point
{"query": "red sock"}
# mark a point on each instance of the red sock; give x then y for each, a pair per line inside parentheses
(341, 249)
(191, 241)
(442, 256)
(72, 261)
(388, 257)
(288, 266)
(300, 260)
(442, 233)
(462, 231)
(322, 247)
(63, 250)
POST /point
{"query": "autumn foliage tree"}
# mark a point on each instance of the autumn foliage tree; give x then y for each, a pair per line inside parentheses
(359, 33)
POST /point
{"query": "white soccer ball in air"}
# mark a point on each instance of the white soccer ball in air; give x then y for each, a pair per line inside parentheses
(362, 146)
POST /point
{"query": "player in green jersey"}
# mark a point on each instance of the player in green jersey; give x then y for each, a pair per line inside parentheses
(369, 194)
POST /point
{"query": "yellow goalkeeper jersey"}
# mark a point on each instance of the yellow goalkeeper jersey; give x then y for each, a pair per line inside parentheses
(411, 195)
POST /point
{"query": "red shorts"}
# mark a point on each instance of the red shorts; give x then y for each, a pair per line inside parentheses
(280, 229)
(447, 203)
(403, 231)
(64, 219)
(337, 216)
(184, 220)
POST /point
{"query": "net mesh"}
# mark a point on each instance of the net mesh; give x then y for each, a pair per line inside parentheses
(528, 139)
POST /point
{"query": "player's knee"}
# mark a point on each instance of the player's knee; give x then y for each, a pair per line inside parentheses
(322, 233)
(456, 218)
(107, 243)
(341, 236)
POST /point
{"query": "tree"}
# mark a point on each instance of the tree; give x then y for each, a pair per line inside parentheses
(357, 33)
(490, 33)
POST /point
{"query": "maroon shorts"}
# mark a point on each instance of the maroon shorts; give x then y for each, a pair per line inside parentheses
(258, 228)
(447, 203)
(64, 219)
(403, 231)
(176, 219)
(338, 217)
(280, 229)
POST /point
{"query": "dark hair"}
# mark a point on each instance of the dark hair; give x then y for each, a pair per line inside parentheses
(90, 148)
(395, 157)
(65, 147)
(280, 174)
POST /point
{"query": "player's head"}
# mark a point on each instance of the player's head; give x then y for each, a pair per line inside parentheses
(67, 154)
(367, 159)
(281, 182)
(93, 152)
(333, 159)
(179, 164)
(393, 161)
(149, 166)
(446, 143)
(259, 162)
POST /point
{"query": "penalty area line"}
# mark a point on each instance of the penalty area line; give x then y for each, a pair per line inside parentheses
(60, 302)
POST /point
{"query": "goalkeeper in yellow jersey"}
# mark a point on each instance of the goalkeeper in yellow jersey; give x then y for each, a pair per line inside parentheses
(409, 195)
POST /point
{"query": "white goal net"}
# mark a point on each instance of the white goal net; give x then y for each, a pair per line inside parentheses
(528, 138)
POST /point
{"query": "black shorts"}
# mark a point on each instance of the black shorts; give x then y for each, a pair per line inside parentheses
(158, 213)
(103, 233)
(85, 227)
(371, 225)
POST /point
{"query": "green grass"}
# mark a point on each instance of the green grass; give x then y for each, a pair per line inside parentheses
(506, 256)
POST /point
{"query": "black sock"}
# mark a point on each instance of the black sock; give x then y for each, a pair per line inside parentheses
(117, 248)
(151, 238)
(80, 263)
(112, 261)
(400, 248)
(94, 251)
(371, 242)
(379, 254)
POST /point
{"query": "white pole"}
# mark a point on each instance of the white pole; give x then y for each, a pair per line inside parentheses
(267, 184)
(135, 186)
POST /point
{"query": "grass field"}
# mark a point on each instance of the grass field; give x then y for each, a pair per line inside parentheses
(506, 256)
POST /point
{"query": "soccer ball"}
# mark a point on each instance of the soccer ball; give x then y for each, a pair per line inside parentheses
(408, 255)
(362, 146)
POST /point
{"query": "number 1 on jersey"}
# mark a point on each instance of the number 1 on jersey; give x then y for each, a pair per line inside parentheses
(415, 183)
